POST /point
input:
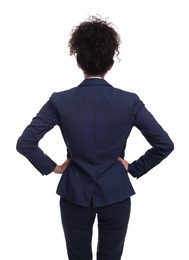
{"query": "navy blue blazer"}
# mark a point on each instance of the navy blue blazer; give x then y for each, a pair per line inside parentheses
(95, 120)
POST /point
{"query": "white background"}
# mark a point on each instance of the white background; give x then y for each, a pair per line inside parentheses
(35, 61)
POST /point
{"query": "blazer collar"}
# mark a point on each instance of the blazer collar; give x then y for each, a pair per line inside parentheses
(94, 82)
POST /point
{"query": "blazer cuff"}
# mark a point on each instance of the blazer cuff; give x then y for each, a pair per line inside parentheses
(133, 172)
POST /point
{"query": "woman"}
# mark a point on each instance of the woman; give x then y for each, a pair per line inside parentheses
(95, 119)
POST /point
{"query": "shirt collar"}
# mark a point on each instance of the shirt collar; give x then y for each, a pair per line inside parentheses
(94, 82)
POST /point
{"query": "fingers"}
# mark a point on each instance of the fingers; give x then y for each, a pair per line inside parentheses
(124, 162)
(61, 168)
(67, 162)
(121, 160)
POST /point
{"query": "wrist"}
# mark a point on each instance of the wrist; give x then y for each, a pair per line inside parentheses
(57, 169)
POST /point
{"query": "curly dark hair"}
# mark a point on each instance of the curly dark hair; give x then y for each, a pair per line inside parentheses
(94, 43)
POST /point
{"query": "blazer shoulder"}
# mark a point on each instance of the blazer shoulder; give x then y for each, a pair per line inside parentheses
(127, 94)
(64, 93)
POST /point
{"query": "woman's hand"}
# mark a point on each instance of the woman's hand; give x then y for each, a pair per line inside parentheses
(61, 168)
(124, 162)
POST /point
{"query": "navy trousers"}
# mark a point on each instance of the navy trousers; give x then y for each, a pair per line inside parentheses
(78, 223)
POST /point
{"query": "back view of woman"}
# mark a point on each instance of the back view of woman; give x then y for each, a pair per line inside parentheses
(95, 120)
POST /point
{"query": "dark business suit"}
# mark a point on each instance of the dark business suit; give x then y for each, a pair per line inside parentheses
(95, 120)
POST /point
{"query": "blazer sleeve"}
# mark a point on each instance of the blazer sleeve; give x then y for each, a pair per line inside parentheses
(158, 138)
(27, 143)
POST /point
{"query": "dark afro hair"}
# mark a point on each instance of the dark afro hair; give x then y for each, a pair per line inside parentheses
(94, 43)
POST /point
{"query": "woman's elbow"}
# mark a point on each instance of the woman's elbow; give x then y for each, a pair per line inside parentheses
(19, 146)
(23, 146)
(170, 147)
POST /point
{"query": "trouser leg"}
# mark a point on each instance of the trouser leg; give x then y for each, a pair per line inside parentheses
(77, 223)
(112, 224)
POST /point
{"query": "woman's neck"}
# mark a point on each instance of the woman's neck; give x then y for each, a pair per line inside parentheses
(87, 76)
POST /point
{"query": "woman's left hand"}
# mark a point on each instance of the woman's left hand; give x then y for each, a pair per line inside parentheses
(59, 169)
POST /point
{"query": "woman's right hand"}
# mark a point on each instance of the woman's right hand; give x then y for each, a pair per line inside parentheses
(124, 162)
(59, 169)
